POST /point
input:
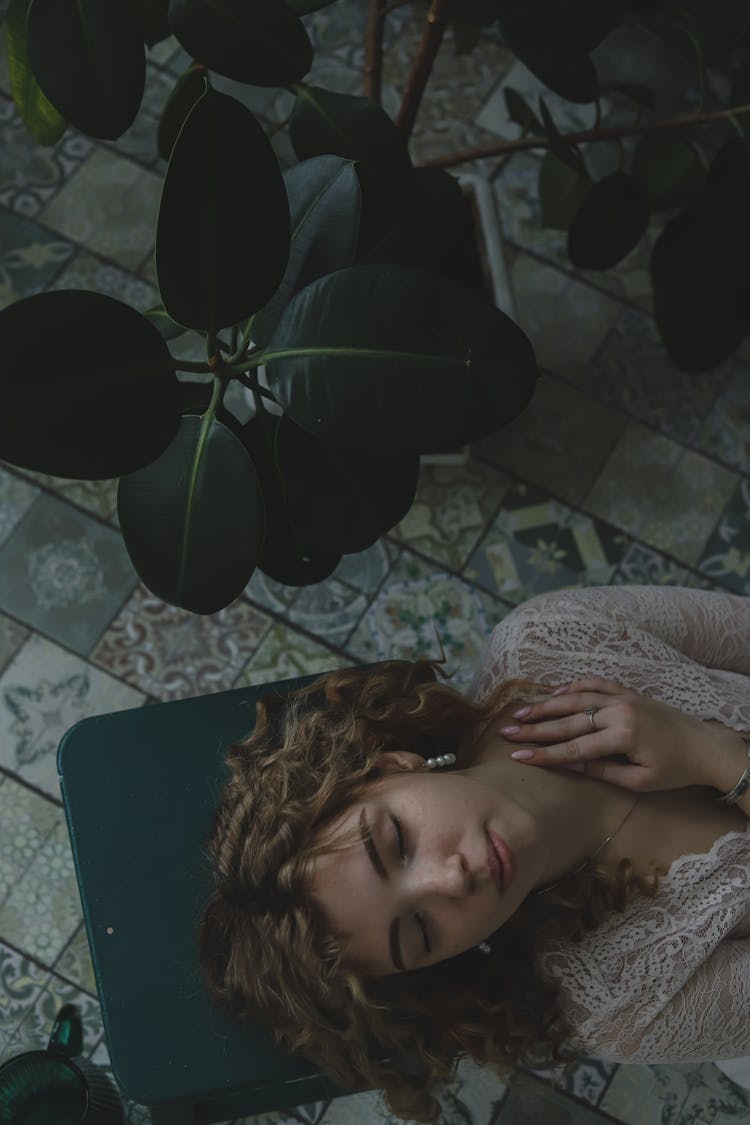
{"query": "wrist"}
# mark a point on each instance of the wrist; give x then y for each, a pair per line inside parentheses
(729, 760)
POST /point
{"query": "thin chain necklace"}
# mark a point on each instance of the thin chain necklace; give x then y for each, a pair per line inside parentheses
(596, 853)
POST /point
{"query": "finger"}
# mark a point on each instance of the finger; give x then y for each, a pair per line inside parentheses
(586, 748)
(559, 705)
(556, 730)
(632, 777)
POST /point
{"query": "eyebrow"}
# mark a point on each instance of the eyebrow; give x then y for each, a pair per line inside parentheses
(394, 944)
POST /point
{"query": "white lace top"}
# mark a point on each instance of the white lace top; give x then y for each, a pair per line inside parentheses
(668, 980)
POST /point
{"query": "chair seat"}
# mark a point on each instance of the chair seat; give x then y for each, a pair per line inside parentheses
(139, 789)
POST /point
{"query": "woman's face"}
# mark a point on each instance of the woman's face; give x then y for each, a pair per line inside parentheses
(423, 881)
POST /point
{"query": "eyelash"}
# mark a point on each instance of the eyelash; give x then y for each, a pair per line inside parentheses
(401, 845)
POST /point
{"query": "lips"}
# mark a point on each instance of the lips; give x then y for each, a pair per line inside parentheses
(500, 860)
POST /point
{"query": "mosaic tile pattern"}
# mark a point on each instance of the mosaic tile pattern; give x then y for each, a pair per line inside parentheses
(622, 470)
(537, 544)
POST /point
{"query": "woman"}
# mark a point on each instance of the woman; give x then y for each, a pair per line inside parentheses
(368, 908)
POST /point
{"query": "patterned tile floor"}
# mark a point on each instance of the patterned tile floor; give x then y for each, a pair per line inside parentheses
(622, 470)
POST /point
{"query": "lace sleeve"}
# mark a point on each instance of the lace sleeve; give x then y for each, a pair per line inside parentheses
(690, 648)
(706, 1019)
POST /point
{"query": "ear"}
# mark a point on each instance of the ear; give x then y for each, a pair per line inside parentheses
(392, 761)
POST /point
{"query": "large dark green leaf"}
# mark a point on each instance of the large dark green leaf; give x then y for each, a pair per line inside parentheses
(699, 268)
(558, 25)
(342, 500)
(189, 87)
(710, 31)
(610, 222)
(168, 329)
(304, 7)
(670, 170)
(553, 38)
(263, 43)
(193, 521)
(222, 240)
(357, 129)
(324, 205)
(88, 58)
(390, 359)
(562, 149)
(38, 114)
(434, 201)
(87, 390)
(152, 18)
(286, 557)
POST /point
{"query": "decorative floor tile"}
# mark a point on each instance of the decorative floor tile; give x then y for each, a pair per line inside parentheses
(16, 497)
(420, 606)
(560, 442)
(109, 206)
(450, 510)
(30, 173)
(329, 609)
(641, 566)
(367, 569)
(43, 692)
(87, 272)
(21, 981)
(172, 654)
(725, 433)
(74, 963)
(726, 557)
(96, 496)
(565, 320)
(679, 1094)
(475, 1096)
(269, 594)
(531, 1102)
(632, 371)
(662, 493)
(537, 544)
(30, 257)
(12, 637)
(36, 1026)
(284, 653)
(64, 573)
(26, 822)
(43, 909)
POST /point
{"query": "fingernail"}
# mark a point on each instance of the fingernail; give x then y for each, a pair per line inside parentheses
(522, 755)
(509, 730)
(522, 713)
(560, 690)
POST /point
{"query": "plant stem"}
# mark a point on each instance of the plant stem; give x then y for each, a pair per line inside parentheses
(373, 74)
(432, 37)
(502, 148)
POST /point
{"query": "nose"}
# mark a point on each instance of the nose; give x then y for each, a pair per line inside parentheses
(447, 876)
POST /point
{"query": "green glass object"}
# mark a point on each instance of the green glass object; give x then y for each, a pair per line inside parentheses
(49, 1088)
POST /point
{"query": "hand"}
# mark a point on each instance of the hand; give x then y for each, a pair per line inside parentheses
(662, 748)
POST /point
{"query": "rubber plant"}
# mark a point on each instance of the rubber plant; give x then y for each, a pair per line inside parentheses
(340, 294)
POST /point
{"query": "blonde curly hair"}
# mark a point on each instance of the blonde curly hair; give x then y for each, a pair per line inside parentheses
(264, 945)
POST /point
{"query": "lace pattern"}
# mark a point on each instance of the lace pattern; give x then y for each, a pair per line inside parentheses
(668, 980)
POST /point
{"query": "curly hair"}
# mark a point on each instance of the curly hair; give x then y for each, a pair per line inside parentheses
(265, 948)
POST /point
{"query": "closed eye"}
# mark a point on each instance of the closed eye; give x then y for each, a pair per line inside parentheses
(400, 841)
(401, 845)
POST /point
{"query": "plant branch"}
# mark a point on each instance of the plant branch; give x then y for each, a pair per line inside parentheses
(432, 37)
(373, 74)
(611, 133)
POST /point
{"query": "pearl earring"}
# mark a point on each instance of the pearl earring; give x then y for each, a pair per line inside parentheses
(441, 760)
(484, 947)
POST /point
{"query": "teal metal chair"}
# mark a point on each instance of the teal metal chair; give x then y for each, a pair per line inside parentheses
(139, 789)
